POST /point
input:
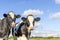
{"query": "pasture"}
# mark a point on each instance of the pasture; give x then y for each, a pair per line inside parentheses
(36, 38)
(50, 38)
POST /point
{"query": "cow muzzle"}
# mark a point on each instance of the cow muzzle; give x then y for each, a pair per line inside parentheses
(30, 28)
(13, 24)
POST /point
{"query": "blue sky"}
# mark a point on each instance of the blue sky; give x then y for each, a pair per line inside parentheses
(47, 10)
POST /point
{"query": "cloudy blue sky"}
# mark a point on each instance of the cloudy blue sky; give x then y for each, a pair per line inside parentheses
(47, 10)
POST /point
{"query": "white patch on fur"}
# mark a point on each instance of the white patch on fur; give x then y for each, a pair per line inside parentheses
(10, 35)
(22, 38)
(1, 38)
(18, 38)
(31, 19)
(11, 15)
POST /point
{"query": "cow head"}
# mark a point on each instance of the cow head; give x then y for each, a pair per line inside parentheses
(11, 18)
(30, 20)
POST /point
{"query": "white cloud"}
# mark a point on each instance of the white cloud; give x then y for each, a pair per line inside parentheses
(55, 15)
(33, 12)
(37, 31)
(57, 1)
(38, 24)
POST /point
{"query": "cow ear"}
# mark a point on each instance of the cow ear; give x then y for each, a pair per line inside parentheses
(24, 19)
(5, 15)
(18, 16)
(37, 19)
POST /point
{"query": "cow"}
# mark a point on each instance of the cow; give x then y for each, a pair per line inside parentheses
(25, 27)
(6, 24)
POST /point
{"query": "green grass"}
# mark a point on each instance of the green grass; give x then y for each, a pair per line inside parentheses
(49, 38)
(11, 38)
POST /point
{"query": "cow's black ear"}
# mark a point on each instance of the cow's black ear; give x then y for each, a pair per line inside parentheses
(18, 16)
(24, 19)
(5, 15)
(37, 19)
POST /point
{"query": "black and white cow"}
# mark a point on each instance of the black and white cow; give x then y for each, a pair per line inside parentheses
(6, 23)
(25, 27)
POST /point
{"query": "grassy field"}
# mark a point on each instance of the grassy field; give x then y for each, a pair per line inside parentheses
(45, 39)
(49, 38)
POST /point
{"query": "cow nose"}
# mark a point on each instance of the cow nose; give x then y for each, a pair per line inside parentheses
(31, 28)
(13, 24)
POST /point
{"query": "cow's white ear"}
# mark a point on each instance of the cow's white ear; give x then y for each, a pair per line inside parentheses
(24, 19)
(18, 16)
(37, 19)
(5, 15)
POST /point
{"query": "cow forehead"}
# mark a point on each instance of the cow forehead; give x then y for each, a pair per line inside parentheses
(30, 18)
(11, 15)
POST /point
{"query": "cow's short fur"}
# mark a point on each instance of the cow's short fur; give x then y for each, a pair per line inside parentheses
(25, 27)
(5, 25)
